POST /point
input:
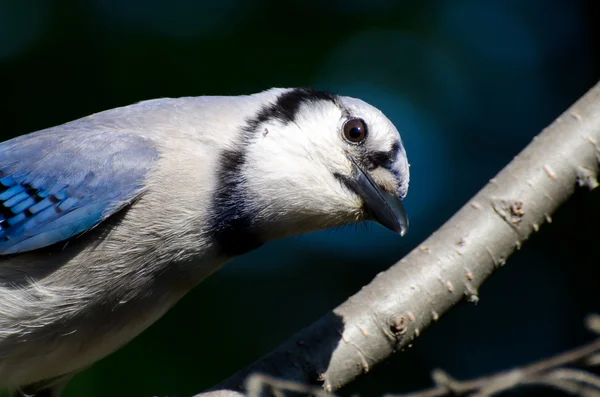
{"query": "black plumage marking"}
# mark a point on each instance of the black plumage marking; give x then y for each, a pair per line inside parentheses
(7, 215)
(235, 229)
(381, 159)
(33, 192)
(90, 174)
(286, 106)
(232, 222)
(5, 212)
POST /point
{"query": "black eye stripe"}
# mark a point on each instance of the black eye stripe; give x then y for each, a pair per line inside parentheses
(380, 158)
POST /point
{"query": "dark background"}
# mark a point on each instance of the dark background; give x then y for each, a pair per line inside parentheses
(468, 83)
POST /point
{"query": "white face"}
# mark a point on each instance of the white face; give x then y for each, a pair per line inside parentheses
(308, 165)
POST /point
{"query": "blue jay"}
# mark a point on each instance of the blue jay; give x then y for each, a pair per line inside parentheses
(107, 221)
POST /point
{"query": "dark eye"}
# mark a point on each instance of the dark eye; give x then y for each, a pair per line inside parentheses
(355, 131)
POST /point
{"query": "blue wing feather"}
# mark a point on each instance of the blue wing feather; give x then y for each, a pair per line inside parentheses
(60, 182)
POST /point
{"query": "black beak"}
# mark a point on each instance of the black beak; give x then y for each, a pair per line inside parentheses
(382, 206)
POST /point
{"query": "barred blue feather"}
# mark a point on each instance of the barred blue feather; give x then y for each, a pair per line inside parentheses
(59, 182)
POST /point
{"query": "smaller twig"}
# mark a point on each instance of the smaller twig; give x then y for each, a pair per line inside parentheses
(593, 360)
(548, 372)
(592, 323)
(257, 382)
(551, 372)
(577, 375)
(566, 386)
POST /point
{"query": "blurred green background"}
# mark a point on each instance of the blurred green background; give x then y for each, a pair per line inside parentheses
(468, 83)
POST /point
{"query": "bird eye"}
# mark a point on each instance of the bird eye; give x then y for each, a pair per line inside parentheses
(355, 131)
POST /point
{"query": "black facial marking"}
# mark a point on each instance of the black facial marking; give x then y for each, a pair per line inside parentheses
(351, 185)
(381, 159)
(235, 230)
(287, 105)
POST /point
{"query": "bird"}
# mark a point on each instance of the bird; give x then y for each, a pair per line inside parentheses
(108, 220)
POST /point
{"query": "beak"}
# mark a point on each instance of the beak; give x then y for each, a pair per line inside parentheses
(383, 207)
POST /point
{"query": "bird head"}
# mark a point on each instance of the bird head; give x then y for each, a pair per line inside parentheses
(311, 160)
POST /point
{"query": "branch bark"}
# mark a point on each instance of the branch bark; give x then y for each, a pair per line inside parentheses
(550, 373)
(391, 312)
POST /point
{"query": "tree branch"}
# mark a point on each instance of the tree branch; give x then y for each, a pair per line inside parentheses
(394, 309)
(550, 372)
